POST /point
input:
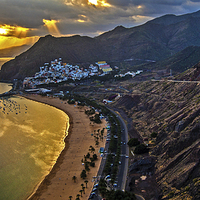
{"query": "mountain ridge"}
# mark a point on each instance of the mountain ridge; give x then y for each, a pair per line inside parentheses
(155, 40)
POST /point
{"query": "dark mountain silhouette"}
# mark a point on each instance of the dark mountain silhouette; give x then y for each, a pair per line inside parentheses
(156, 40)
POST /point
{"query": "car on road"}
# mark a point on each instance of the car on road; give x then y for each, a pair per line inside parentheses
(92, 195)
(108, 176)
(94, 189)
(115, 184)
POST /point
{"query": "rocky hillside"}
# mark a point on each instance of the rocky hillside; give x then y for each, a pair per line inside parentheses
(178, 62)
(152, 41)
(172, 110)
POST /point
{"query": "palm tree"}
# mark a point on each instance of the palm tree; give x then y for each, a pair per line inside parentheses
(87, 167)
(88, 155)
(78, 195)
(92, 149)
(82, 185)
(85, 157)
(74, 178)
(102, 131)
(83, 174)
(86, 181)
(81, 192)
(83, 189)
(97, 143)
(70, 197)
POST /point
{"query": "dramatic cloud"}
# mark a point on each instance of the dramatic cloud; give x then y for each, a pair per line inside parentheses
(35, 18)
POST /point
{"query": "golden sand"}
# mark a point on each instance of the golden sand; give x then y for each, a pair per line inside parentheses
(59, 184)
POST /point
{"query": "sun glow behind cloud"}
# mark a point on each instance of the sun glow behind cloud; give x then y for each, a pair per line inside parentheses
(3, 31)
(11, 36)
(15, 31)
(94, 2)
(101, 3)
(52, 27)
(10, 41)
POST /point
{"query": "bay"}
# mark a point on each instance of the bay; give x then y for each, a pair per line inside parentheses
(5, 87)
(31, 139)
(4, 60)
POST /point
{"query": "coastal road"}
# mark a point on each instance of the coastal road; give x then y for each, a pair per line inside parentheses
(175, 81)
(123, 168)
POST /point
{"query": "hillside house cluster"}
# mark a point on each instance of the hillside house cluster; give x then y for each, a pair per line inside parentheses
(104, 67)
(57, 72)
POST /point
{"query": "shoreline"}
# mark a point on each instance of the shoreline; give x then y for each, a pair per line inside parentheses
(43, 185)
(49, 187)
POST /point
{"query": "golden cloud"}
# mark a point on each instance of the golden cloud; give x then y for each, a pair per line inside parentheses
(101, 3)
(15, 31)
(82, 19)
(97, 3)
(52, 27)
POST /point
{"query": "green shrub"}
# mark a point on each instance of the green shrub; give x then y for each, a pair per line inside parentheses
(71, 101)
(187, 188)
(92, 164)
(140, 149)
(154, 135)
(133, 142)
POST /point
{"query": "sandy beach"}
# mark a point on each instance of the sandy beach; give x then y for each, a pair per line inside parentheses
(58, 184)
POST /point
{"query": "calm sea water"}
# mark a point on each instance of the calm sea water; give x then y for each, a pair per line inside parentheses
(31, 139)
(5, 87)
(4, 59)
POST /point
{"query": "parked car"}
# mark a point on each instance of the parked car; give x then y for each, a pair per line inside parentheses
(108, 176)
(94, 189)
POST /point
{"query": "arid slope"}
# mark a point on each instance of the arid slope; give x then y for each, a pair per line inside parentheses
(172, 110)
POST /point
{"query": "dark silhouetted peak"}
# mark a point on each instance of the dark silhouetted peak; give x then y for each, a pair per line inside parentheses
(113, 33)
(166, 20)
(173, 19)
(76, 36)
(119, 28)
(48, 36)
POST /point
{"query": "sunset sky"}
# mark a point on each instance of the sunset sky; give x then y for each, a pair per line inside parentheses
(24, 21)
